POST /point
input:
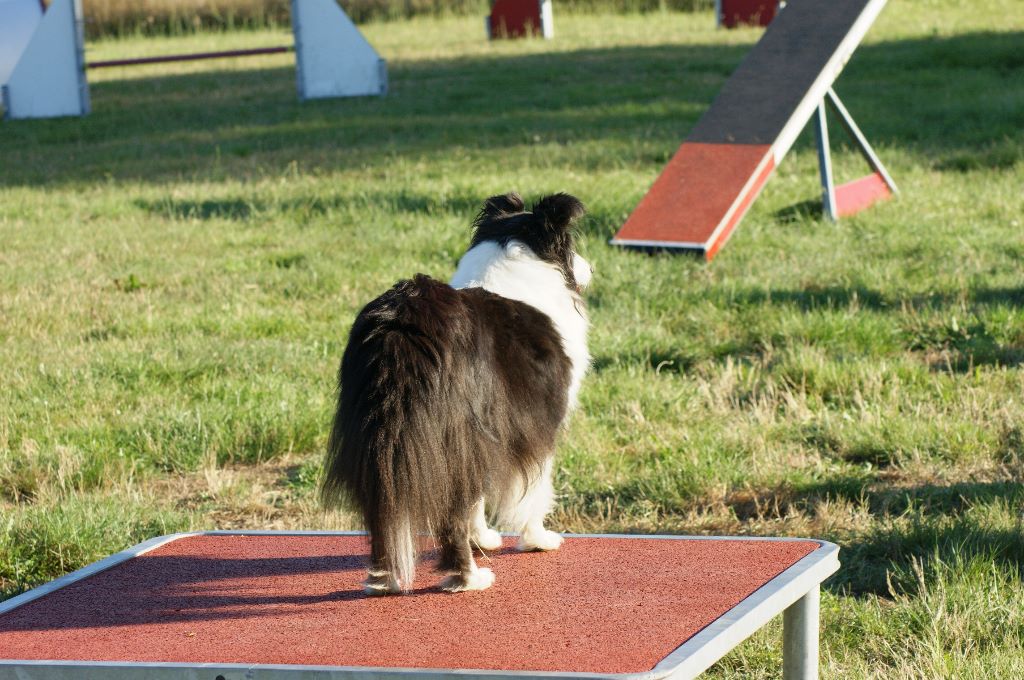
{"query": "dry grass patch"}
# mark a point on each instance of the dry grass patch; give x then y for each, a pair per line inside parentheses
(272, 495)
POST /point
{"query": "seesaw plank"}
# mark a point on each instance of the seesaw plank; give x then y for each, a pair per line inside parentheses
(766, 102)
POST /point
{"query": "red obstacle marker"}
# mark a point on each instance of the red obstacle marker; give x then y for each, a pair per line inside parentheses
(280, 605)
(733, 13)
(520, 18)
(712, 180)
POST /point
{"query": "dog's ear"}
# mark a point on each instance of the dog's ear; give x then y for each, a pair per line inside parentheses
(496, 206)
(559, 211)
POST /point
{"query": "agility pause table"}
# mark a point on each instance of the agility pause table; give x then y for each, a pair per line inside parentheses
(267, 605)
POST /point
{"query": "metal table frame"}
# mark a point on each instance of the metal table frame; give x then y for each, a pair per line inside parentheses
(794, 593)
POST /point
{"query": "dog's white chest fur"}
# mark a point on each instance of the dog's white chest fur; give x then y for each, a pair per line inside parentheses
(514, 272)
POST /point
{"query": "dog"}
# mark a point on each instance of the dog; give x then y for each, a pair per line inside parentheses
(451, 397)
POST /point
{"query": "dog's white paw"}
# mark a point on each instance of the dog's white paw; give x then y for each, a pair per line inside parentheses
(488, 539)
(481, 579)
(539, 540)
(381, 583)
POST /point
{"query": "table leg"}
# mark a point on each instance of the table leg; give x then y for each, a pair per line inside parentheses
(800, 638)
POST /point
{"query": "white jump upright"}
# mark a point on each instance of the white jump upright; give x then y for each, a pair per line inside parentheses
(332, 58)
(48, 79)
(18, 21)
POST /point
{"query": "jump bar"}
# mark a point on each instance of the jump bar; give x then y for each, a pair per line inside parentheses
(280, 605)
(196, 56)
(722, 165)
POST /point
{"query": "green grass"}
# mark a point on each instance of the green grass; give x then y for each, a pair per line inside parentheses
(179, 271)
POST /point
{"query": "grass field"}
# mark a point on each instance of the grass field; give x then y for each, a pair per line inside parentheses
(178, 272)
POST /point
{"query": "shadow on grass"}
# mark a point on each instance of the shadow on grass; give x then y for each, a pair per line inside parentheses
(916, 94)
(660, 360)
(915, 522)
(960, 347)
(950, 330)
(815, 297)
(925, 500)
(229, 209)
(799, 213)
(880, 561)
(239, 209)
(908, 523)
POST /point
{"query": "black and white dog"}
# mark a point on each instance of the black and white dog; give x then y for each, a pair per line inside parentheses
(451, 397)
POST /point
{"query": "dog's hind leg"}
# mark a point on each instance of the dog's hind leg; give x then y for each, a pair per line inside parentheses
(533, 508)
(457, 560)
(482, 536)
(380, 579)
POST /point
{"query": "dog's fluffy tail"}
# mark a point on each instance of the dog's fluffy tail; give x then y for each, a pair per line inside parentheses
(387, 451)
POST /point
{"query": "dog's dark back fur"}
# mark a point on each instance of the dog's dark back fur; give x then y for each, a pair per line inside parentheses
(444, 393)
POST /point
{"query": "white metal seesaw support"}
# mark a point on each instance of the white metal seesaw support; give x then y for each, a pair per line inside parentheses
(828, 188)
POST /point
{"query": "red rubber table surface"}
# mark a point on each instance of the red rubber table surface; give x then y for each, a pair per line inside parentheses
(601, 605)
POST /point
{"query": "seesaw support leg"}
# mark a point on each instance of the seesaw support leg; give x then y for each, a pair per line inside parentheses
(800, 638)
(828, 187)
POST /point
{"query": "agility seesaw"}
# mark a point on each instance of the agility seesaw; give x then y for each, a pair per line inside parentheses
(786, 78)
(332, 59)
(275, 605)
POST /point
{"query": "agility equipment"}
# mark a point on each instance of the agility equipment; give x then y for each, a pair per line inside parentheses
(18, 21)
(707, 187)
(272, 605)
(733, 13)
(48, 78)
(192, 56)
(520, 18)
(332, 59)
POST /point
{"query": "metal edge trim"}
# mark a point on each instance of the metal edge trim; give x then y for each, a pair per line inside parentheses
(90, 570)
(726, 632)
(678, 245)
(288, 670)
(752, 188)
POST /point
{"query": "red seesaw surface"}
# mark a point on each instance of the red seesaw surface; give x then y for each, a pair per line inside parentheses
(601, 605)
(700, 196)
